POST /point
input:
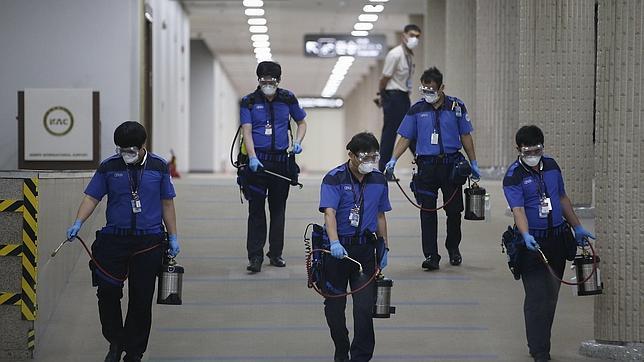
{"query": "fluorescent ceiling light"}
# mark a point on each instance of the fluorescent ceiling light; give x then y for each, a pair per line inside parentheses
(260, 12)
(363, 26)
(262, 50)
(253, 3)
(359, 33)
(367, 17)
(259, 37)
(369, 8)
(261, 44)
(261, 21)
(378, 1)
(258, 29)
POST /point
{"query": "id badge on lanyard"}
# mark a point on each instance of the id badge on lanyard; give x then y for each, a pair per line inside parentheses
(268, 130)
(354, 216)
(136, 203)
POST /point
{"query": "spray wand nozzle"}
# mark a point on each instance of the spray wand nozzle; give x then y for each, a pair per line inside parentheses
(348, 258)
(53, 253)
(543, 256)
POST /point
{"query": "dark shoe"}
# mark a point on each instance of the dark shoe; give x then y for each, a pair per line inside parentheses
(340, 360)
(114, 354)
(277, 261)
(455, 257)
(129, 358)
(431, 263)
(255, 265)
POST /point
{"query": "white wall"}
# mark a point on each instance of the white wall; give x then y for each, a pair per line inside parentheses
(171, 81)
(226, 118)
(324, 144)
(69, 44)
(202, 107)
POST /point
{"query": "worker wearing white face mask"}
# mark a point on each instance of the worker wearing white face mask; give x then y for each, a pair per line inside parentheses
(394, 88)
(265, 117)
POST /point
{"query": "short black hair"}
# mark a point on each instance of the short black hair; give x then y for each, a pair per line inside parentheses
(269, 68)
(363, 142)
(529, 136)
(130, 134)
(410, 27)
(432, 74)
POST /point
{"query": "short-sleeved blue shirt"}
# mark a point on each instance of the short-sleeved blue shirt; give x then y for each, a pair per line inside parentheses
(256, 110)
(112, 179)
(341, 190)
(450, 121)
(523, 188)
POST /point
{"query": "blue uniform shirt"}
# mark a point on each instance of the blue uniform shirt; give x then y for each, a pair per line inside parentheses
(112, 179)
(340, 191)
(523, 188)
(256, 110)
(450, 121)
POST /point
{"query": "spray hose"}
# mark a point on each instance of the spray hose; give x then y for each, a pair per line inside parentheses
(91, 256)
(418, 206)
(594, 270)
(309, 269)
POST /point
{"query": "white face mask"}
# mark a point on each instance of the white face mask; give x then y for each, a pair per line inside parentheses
(366, 167)
(411, 42)
(268, 89)
(431, 98)
(531, 160)
(130, 158)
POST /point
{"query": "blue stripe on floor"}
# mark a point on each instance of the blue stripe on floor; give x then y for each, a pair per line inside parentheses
(294, 303)
(303, 279)
(289, 218)
(314, 328)
(398, 357)
(243, 237)
(287, 257)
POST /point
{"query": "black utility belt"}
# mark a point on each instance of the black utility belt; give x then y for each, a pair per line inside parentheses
(273, 157)
(550, 232)
(396, 91)
(131, 232)
(443, 158)
(358, 240)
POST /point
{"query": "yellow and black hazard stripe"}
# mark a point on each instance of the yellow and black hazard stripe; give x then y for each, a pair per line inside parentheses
(31, 339)
(10, 298)
(11, 250)
(11, 205)
(29, 248)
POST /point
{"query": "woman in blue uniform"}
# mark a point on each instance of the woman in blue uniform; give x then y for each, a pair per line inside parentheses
(140, 209)
(534, 189)
(354, 198)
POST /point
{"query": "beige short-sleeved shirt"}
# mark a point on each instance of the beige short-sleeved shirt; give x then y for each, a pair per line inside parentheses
(400, 67)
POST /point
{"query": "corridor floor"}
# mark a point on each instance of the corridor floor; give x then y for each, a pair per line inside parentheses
(472, 312)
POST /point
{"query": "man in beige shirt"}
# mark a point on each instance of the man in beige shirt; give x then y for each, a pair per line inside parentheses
(394, 88)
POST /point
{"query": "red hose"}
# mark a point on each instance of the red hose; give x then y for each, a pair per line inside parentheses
(325, 295)
(570, 283)
(99, 265)
(420, 207)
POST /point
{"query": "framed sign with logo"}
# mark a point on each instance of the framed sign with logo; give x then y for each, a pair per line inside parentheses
(58, 129)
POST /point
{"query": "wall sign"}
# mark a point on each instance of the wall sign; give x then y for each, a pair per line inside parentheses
(336, 45)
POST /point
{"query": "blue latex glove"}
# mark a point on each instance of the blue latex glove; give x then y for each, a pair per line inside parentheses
(529, 241)
(254, 164)
(173, 250)
(476, 172)
(383, 261)
(297, 148)
(581, 234)
(74, 229)
(337, 250)
(389, 167)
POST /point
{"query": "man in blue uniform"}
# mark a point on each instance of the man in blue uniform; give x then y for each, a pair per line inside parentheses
(440, 126)
(354, 198)
(139, 204)
(534, 189)
(265, 118)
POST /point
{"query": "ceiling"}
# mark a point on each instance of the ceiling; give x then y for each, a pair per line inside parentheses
(223, 27)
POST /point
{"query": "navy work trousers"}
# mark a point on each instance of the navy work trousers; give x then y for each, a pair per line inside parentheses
(430, 178)
(541, 293)
(260, 187)
(339, 273)
(395, 104)
(115, 255)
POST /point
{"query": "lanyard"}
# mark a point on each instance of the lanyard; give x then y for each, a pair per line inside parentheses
(538, 177)
(357, 203)
(437, 116)
(134, 188)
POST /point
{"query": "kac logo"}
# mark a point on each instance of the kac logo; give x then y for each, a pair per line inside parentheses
(58, 121)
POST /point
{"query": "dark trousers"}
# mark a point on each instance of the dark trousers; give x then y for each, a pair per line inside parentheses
(276, 190)
(395, 105)
(431, 178)
(338, 274)
(541, 294)
(115, 255)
